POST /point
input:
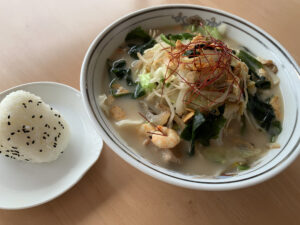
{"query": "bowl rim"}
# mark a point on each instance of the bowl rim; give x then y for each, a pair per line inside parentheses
(150, 171)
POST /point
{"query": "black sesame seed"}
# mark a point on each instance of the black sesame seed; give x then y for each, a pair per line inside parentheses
(24, 105)
(7, 150)
(48, 135)
(33, 116)
(58, 122)
(14, 147)
(0, 152)
(58, 116)
(27, 159)
(54, 128)
(8, 117)
(23, 126)
(27, 143)
(32, 128)
(55, 114)
(8, 123)
(33, 142)
(28, 137)
(55, 139)
(8, 139)
(51, 108)
(54, 146)
(41, 116)
(30, 100)
(12, 133)
(44, 137)
(18, 131)
(41, 150)
(61, 152)
(7, 155)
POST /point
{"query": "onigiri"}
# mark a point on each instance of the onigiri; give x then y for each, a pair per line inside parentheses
(30, 129)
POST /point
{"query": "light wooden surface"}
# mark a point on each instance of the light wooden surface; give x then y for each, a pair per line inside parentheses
(47, 40)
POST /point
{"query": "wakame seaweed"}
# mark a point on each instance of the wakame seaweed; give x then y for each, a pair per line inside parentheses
(203, 129)
(254, 65)
(118, 68)
(264, 114)
(138, 41)
(117, 71)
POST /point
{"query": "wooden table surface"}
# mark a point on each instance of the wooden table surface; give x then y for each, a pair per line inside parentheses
(47, 40)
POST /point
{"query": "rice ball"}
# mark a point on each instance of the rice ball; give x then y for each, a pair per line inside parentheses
(30, 129)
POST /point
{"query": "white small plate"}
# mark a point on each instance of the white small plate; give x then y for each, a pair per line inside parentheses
(23, 184)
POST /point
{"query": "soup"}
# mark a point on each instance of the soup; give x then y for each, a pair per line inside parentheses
(191, 100)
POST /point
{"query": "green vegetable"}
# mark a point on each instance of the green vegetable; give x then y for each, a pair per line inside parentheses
(203, 129)
(121, 63)
(138, 41)
(171, 39)
(264, 114)
(166, 40)
(263, 83)
(190, 131)
(210, 129)
(186, 134)
(139, 91)
(192, 53)
(118, 68)
(252, 63)
(275, 129)
(140, 48)
(128, 78)
(206, 31)
(114, 91)
(137, 34)
(145, 82)
(213, 31)
(182, 36)
(243, 167)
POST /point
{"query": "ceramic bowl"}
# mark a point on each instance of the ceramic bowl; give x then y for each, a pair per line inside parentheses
(24, 184)
(93, 81)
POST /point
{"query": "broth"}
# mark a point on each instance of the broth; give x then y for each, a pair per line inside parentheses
(250, 144)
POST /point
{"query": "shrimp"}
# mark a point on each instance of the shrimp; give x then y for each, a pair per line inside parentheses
(165, 137)
(146, 128)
